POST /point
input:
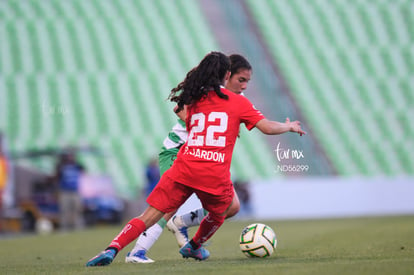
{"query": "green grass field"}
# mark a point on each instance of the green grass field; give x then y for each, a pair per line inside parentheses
(341, 246)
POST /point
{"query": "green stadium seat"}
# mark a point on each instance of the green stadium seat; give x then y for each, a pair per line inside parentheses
(111, 66)
(348, 62)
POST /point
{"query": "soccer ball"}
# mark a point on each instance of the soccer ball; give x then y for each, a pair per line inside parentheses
(258, 240)
(44, 226)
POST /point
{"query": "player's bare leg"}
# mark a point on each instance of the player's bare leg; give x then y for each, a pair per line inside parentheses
(234, 207)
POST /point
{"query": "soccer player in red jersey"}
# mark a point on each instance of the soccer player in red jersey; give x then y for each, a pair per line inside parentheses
(214, 115)
(240, 75)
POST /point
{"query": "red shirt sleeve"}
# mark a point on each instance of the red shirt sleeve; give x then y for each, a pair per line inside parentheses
(249, 114)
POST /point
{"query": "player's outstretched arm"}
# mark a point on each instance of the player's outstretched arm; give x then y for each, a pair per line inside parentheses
(269, 127)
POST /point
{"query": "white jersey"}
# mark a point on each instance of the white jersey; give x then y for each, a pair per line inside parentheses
(176, 137)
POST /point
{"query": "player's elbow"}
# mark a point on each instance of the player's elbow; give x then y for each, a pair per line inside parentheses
(267, 131)
(265, 126)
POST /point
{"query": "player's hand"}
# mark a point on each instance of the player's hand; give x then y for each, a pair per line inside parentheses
(294, 126)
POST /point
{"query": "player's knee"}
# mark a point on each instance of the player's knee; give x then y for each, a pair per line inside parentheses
(150, 216)
(233, 209)
(168, 216)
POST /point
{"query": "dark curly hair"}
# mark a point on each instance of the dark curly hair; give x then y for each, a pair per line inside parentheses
(207, 76)
(238, 62)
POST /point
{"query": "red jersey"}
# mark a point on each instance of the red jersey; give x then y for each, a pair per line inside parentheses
(213, 123)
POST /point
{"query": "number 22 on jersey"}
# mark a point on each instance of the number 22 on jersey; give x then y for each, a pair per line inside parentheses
(197, 139)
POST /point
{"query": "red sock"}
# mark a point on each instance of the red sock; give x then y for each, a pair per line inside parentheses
(208, 227)
(130, 232)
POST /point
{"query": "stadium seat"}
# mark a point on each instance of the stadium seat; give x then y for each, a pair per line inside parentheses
(98, 73)
(347, 62)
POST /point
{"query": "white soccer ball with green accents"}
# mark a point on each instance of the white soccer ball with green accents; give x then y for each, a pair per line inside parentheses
(258, 240)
